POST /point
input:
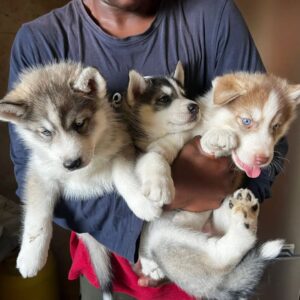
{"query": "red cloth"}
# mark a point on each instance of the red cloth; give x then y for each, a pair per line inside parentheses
(125, 280)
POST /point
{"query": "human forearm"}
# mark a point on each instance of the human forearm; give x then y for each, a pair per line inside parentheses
(201, 182)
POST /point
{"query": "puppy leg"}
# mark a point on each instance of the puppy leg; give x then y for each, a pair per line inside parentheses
(246, 201)
(153, 168)
(39, 206)
(238, 218)
(219, 142)
(150, 268)
(154, 172)
(128, 186)
(220, 252)
(181, 219)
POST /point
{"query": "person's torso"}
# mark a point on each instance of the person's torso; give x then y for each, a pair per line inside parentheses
(182, 30)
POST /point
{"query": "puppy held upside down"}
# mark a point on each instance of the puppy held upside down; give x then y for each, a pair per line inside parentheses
(243, 115)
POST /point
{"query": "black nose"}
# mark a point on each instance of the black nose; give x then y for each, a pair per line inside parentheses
(193, 108)
(73, 164)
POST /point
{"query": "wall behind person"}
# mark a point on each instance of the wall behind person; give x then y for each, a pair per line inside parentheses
(13, 13)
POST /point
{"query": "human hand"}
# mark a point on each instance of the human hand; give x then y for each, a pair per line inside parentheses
(201, 181)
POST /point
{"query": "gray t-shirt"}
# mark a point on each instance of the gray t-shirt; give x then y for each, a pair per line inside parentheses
(208, 36)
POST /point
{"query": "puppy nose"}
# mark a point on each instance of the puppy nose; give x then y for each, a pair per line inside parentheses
(73, 164)
(193, 108)
(261, 159)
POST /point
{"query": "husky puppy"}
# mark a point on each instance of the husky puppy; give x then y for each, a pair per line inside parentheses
(78, 150)
(244, 115)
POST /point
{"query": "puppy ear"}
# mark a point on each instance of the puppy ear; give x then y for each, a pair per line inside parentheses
(294, 92)
(136, 86)
(179, 73)
(13, 110)
(90, 81)
(227, 88)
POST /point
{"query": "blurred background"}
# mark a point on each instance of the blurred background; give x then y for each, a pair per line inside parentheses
(275, 26)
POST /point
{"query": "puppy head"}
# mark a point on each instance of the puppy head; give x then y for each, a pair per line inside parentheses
(160, 104)
(59, 110)
(259, 108)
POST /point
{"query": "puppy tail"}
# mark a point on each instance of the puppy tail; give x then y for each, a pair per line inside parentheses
(100, 259)
(242, 281)
(270, 250)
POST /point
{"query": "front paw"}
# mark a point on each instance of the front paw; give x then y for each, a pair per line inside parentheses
(219, 142)
(159, 189)
(245, 209)
(146, 209)
(30, 261)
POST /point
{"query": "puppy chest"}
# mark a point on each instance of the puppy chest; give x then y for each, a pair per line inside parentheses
(88, 186)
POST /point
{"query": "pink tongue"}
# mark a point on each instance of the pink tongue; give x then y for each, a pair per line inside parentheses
(252, 172)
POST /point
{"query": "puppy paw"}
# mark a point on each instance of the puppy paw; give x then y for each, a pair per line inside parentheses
(151, 269)
(218, 142)
(245, 209)
(30, 261)
(159, 189)
(157, 274)
(146, 209)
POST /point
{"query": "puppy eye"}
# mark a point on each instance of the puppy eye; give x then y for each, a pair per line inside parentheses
(246, 121)
(79, 124)
(164, 99)
(46, 132)
(276, 126)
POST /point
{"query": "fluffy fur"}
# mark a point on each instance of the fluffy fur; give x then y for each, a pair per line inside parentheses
(244, 115)
(78, 150)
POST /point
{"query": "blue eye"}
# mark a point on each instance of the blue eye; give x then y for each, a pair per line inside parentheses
(46, 132)
(246, 121)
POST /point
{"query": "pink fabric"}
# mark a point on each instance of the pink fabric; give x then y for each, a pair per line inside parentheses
(125, 280)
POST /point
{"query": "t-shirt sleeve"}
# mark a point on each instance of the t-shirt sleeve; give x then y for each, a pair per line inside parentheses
(107, 218)
(233, 46)
(234, 50)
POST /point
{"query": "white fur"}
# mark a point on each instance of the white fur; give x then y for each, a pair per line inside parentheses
(271, 249)
(174, 245)
(44, 187)
(107, 153)
(222, 252)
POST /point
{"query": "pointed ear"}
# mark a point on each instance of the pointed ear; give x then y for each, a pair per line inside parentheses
(90, 81)
(179, 73)
(227, 88)
(13, 111)
(294, 92)
(136, 86)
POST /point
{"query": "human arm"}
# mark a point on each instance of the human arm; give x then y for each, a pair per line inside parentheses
(236, 51)
(229, 48)
(201, 182)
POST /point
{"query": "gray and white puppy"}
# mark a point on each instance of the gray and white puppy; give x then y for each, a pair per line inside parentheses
(79, 149)
(240, 108)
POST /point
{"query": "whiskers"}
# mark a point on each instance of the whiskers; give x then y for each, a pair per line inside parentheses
(278, 155)
(277, 164)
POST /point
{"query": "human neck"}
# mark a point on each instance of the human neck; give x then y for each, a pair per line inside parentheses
(121, 21)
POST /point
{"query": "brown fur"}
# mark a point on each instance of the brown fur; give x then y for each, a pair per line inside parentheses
(253, 90)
